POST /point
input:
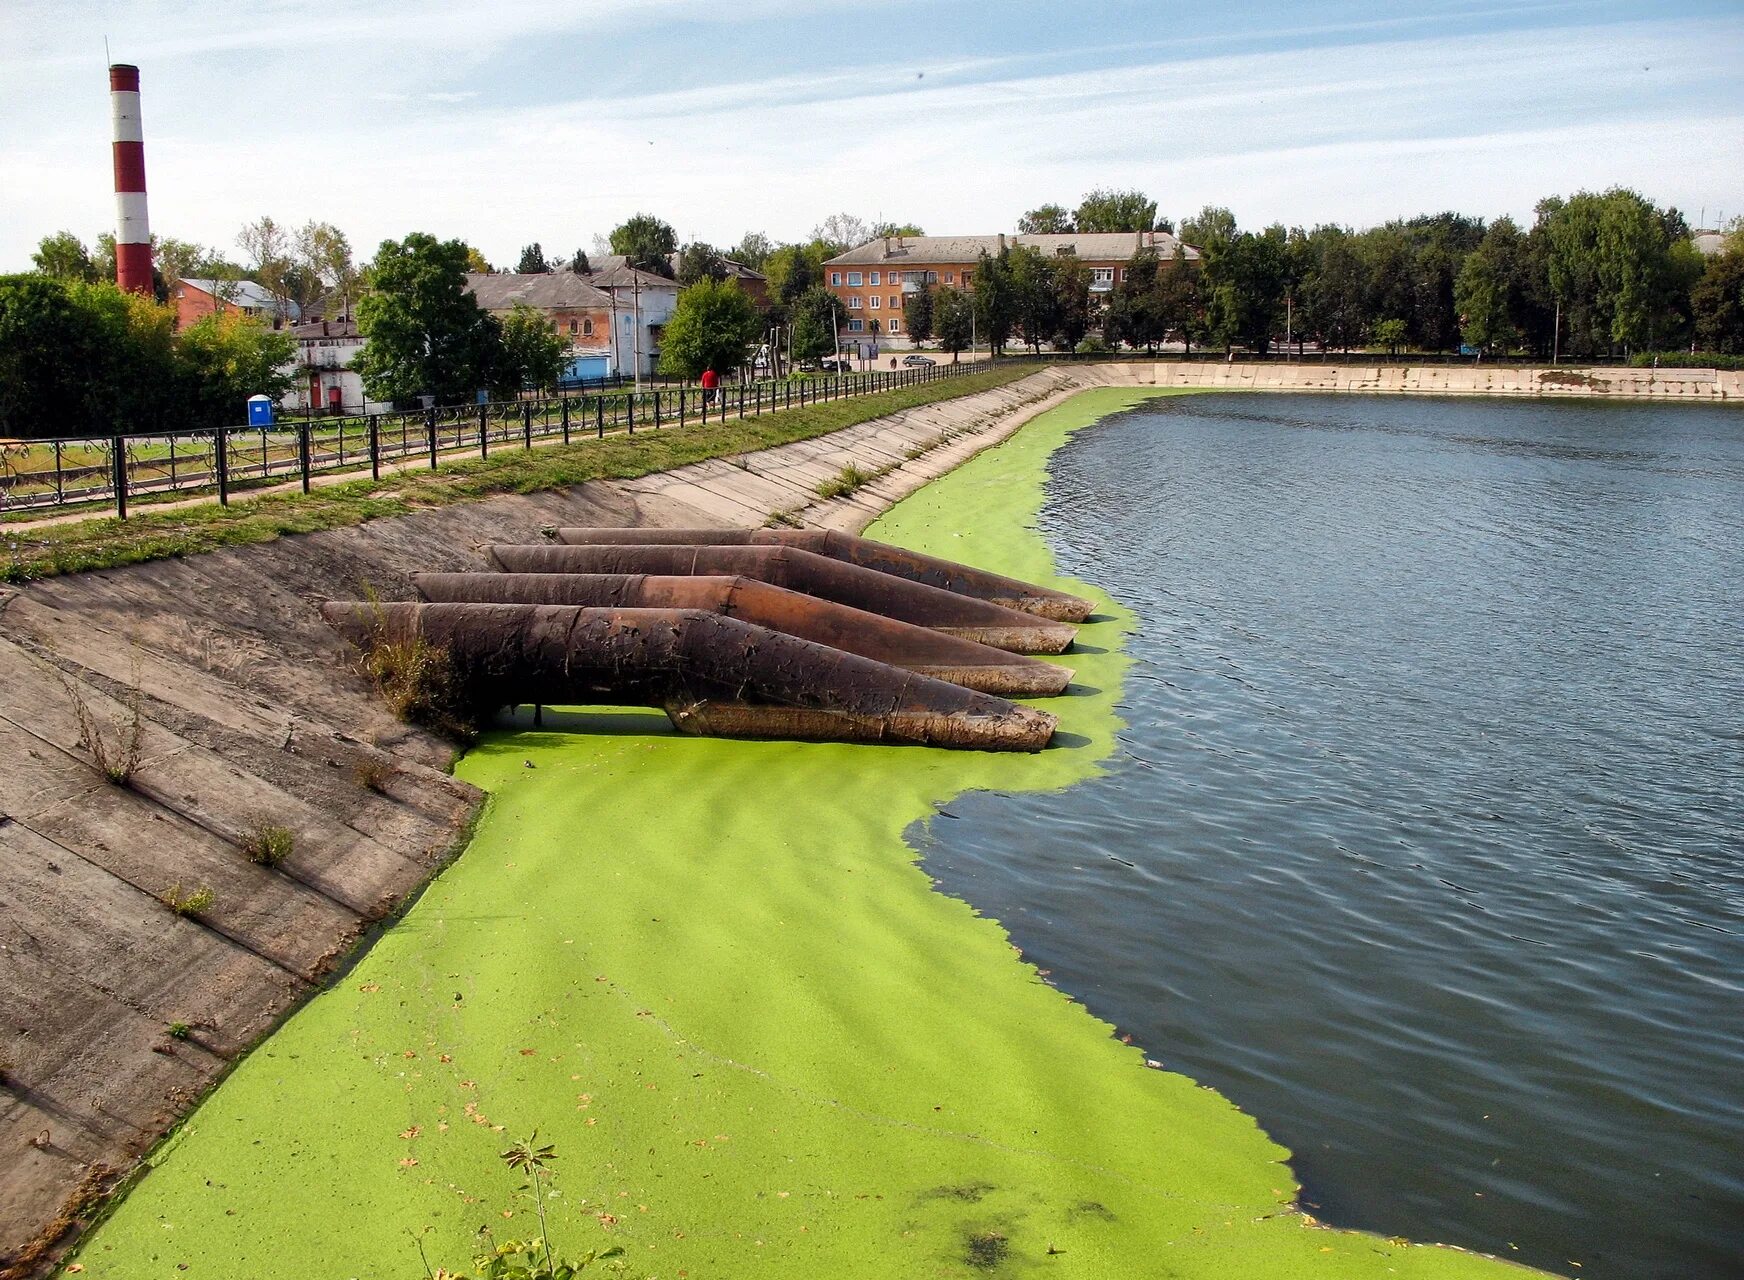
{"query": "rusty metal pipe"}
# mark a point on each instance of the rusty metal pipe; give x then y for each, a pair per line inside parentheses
(810, 574)
(711, 673)
(964, 579)
(901, 644)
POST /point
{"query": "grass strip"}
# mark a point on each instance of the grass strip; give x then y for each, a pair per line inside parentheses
(46, 551)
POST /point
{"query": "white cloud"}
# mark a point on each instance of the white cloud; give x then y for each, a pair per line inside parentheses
(1356, 132)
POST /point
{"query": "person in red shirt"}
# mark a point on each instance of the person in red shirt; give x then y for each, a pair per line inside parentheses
(710, 381)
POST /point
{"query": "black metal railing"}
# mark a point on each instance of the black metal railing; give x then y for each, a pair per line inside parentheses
(42, 475)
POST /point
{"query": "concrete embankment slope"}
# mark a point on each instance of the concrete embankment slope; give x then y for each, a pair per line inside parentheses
(251, 714)
(1698, 385)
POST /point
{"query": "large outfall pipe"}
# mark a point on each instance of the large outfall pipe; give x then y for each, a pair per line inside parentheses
(810, 574)
(966, 580)
(711, 674)
(901, 644)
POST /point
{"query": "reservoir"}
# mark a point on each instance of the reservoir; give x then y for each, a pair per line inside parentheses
(1424, 840)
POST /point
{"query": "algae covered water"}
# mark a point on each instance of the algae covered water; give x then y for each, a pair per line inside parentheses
(1425, 840)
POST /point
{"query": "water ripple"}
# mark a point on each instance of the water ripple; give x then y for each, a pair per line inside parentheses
(1426, 841)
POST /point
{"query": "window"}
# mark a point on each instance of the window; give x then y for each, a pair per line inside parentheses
(835, 277)
(968, 276)
(895, 303)
(853, 279)
(877, 302)
(574, 327)
(587, 328)
(950, 277)
(1104, 275)
(855, 326)
(895, 325)
(872, 278)
(854, 303)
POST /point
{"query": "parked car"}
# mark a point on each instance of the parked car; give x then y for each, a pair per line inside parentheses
(836, 366)
(914, 361)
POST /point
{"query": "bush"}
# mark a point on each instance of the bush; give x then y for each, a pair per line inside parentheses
(417, 680)
(1093, 346)
(267, 845)
(1684, 360)
(192, 903)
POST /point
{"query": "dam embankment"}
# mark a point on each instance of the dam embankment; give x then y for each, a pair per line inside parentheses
(151, 932)
(1549, 381)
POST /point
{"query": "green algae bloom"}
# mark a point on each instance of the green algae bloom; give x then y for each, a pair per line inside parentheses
(714, 976)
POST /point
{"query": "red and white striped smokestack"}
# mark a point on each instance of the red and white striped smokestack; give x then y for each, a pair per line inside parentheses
(132, 231)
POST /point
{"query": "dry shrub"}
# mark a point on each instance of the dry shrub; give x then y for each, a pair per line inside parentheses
(115, 744)
(417, 681)
(267, 845)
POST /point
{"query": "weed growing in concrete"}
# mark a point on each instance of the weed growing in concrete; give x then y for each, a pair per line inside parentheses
(417, 681)
(268, 845)
(114, 743)
(191, 903)
(374, 775)
(784, 519)
(845, 481)
(178, 1031)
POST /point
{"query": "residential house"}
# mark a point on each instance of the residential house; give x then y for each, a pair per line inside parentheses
(579, 311)
(194, 299)
(754, 283)
(325, 380)
(872, 279)
(641, 303)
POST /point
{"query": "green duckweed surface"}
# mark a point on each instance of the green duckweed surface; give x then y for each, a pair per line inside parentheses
(714, 976)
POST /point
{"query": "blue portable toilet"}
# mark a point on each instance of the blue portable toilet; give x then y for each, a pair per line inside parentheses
(260, 411)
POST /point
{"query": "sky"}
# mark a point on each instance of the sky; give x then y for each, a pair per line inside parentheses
(508, 121)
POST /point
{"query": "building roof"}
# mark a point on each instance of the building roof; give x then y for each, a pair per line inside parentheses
(1096, 246)
(620, 275)
(546, 290)
(735, 270)
(325, 329)
(245, 293)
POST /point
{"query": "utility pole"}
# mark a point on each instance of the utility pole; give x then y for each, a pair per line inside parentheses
(1556, 334)
(836, 324)
(636, 298)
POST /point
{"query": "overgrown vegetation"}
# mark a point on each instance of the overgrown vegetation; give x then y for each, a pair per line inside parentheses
(418, 682)
(534, 1259)
(178, 1031)
(193, 902)
(1684, 360)
(844, 482)
(115, 744)
(268, 845)
(47, 550)
(374, 775)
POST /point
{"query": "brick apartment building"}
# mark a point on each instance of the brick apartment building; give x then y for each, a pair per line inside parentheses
(873, 278)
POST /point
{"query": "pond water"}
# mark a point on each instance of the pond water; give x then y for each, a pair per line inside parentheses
(1426, 839)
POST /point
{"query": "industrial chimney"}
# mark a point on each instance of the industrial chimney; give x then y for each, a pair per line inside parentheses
(132, 231)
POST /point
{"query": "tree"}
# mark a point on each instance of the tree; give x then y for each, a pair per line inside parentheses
(1486, 294)
(1110, 210)
(64, 257)
(227, 358)
(325, 256)
(713, 327)
(48, 346)
(753, 250)
(425, 333)
(578, 263)
(531, 353)
(646, 242)
(1177, 304)
(1391, 334)
(477, 262)
(699, 261)
(841, 232)
(1045, 220)
(814, 324)
(917, 314)
(792, 269)
(1245, 279)
(1035, 300)
(532, 261)
(994, 305)
(953, 318)
(1717, 302)
(268, 249)
(1071, 302)
(1210, 227)
(179, 260)
(895, 229)
(1612, 266)
(141, 383)
(1335, 289)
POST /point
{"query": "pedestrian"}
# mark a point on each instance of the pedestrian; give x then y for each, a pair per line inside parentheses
(710, 382)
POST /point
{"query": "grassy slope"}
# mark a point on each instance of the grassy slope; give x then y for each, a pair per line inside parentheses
(712, 973)
(104, 543)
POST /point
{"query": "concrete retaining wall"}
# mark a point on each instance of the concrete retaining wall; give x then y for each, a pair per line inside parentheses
(1463, 379)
